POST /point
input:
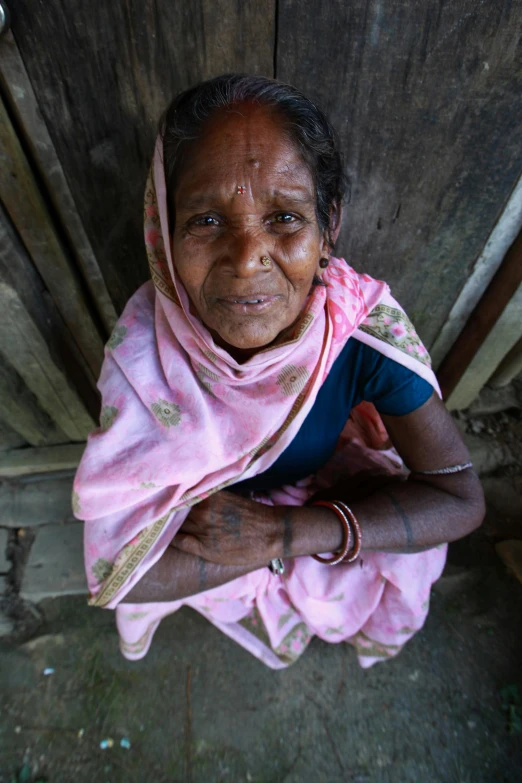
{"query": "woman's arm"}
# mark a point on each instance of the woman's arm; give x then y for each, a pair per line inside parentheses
(403, 516)
(177, 575)
(228, 535)
(234, 525)
(408, 516)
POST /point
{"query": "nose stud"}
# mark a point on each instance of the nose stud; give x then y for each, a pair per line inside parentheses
(266, 261)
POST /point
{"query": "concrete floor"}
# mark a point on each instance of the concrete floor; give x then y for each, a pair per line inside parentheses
(199, 708)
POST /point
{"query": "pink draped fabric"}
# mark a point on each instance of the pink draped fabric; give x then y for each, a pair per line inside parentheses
(181, 419)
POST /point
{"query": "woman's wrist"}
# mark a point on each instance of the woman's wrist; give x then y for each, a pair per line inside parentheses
(302, 530)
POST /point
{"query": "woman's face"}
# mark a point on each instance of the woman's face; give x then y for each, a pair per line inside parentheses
(245, 193)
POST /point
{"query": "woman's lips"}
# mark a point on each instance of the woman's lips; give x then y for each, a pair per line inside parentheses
(255, 303)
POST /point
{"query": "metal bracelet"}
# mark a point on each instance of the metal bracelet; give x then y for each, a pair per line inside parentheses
(444, 471)
(277, 566)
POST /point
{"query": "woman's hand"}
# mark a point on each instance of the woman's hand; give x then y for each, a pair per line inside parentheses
(230, 530)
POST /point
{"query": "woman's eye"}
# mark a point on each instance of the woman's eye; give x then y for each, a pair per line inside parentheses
(203, 225)
(206, 220)
(284, 221)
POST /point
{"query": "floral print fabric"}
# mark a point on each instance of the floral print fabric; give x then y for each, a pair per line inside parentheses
(181, 420)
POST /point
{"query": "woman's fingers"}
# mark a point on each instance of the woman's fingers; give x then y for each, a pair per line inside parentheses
(187, 543)
(192, 545)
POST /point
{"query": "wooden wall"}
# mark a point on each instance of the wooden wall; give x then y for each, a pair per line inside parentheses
(103, 85)
(427, 98)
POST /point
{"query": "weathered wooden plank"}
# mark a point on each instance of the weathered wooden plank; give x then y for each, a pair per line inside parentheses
(24, 202)
(48, 459)
(9, 438)
(23, 104)
(17, 271)
(29, 503)
(55, 564)
(509, 368)
(427, 98)
(24, 348)
(103, 85)
(501, 296)
(506, 230)
(20, 409)
(502, 337)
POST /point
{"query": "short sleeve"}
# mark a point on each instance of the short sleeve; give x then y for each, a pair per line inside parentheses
(392, 388)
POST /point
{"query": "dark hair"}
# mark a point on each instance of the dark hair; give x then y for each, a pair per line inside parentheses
(187, 115)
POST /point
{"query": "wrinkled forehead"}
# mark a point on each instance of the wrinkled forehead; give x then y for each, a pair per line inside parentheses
(245, 140)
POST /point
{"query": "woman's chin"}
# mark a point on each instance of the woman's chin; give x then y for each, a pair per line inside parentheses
(241, 342)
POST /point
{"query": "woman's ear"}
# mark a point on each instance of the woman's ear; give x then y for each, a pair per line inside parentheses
(332, 230)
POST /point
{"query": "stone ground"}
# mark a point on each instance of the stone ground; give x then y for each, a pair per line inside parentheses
(200, 708)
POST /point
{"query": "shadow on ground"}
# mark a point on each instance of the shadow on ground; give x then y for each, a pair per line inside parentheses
(200, 708)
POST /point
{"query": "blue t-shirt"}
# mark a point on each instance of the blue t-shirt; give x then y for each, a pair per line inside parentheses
(359, 373)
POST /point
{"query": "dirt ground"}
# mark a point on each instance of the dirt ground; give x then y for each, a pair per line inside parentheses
(199, 708)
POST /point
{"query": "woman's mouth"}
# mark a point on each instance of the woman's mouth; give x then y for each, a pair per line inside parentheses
(248, 304)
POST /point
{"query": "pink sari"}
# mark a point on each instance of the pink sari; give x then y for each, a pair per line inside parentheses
(181, 419)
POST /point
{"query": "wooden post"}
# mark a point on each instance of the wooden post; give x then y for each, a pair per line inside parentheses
(510, 366)
(489, 310)
(24, 203)
(22, 102)
(23, 347)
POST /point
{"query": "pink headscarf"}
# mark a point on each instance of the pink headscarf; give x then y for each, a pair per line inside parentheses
(181, 418)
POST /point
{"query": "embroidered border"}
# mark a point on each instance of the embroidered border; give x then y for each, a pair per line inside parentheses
(255, 453)
(163, 286)
(121, 572)
(267, 444)
(392, 326)
(156, 256)
(370, 648)
(253, 623)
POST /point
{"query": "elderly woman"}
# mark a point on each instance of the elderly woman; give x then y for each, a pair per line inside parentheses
(272, 448)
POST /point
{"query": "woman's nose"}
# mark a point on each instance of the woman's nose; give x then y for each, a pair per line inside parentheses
(244, 252)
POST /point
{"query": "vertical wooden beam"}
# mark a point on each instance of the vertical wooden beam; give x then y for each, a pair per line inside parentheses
(19, 94)
(499, 241)
(510, 366)
(102, 86)
(20, 410)
(427, 100)
(24, 203)
(502, 302)
(23, 347)
(9, 438)
(18, 271)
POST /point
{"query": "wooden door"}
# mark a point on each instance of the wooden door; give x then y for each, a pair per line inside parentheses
(77, 125)
(427, 98)
(50, 346)
(103, 85)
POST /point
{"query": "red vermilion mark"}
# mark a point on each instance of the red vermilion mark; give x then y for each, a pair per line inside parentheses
(240, 190)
